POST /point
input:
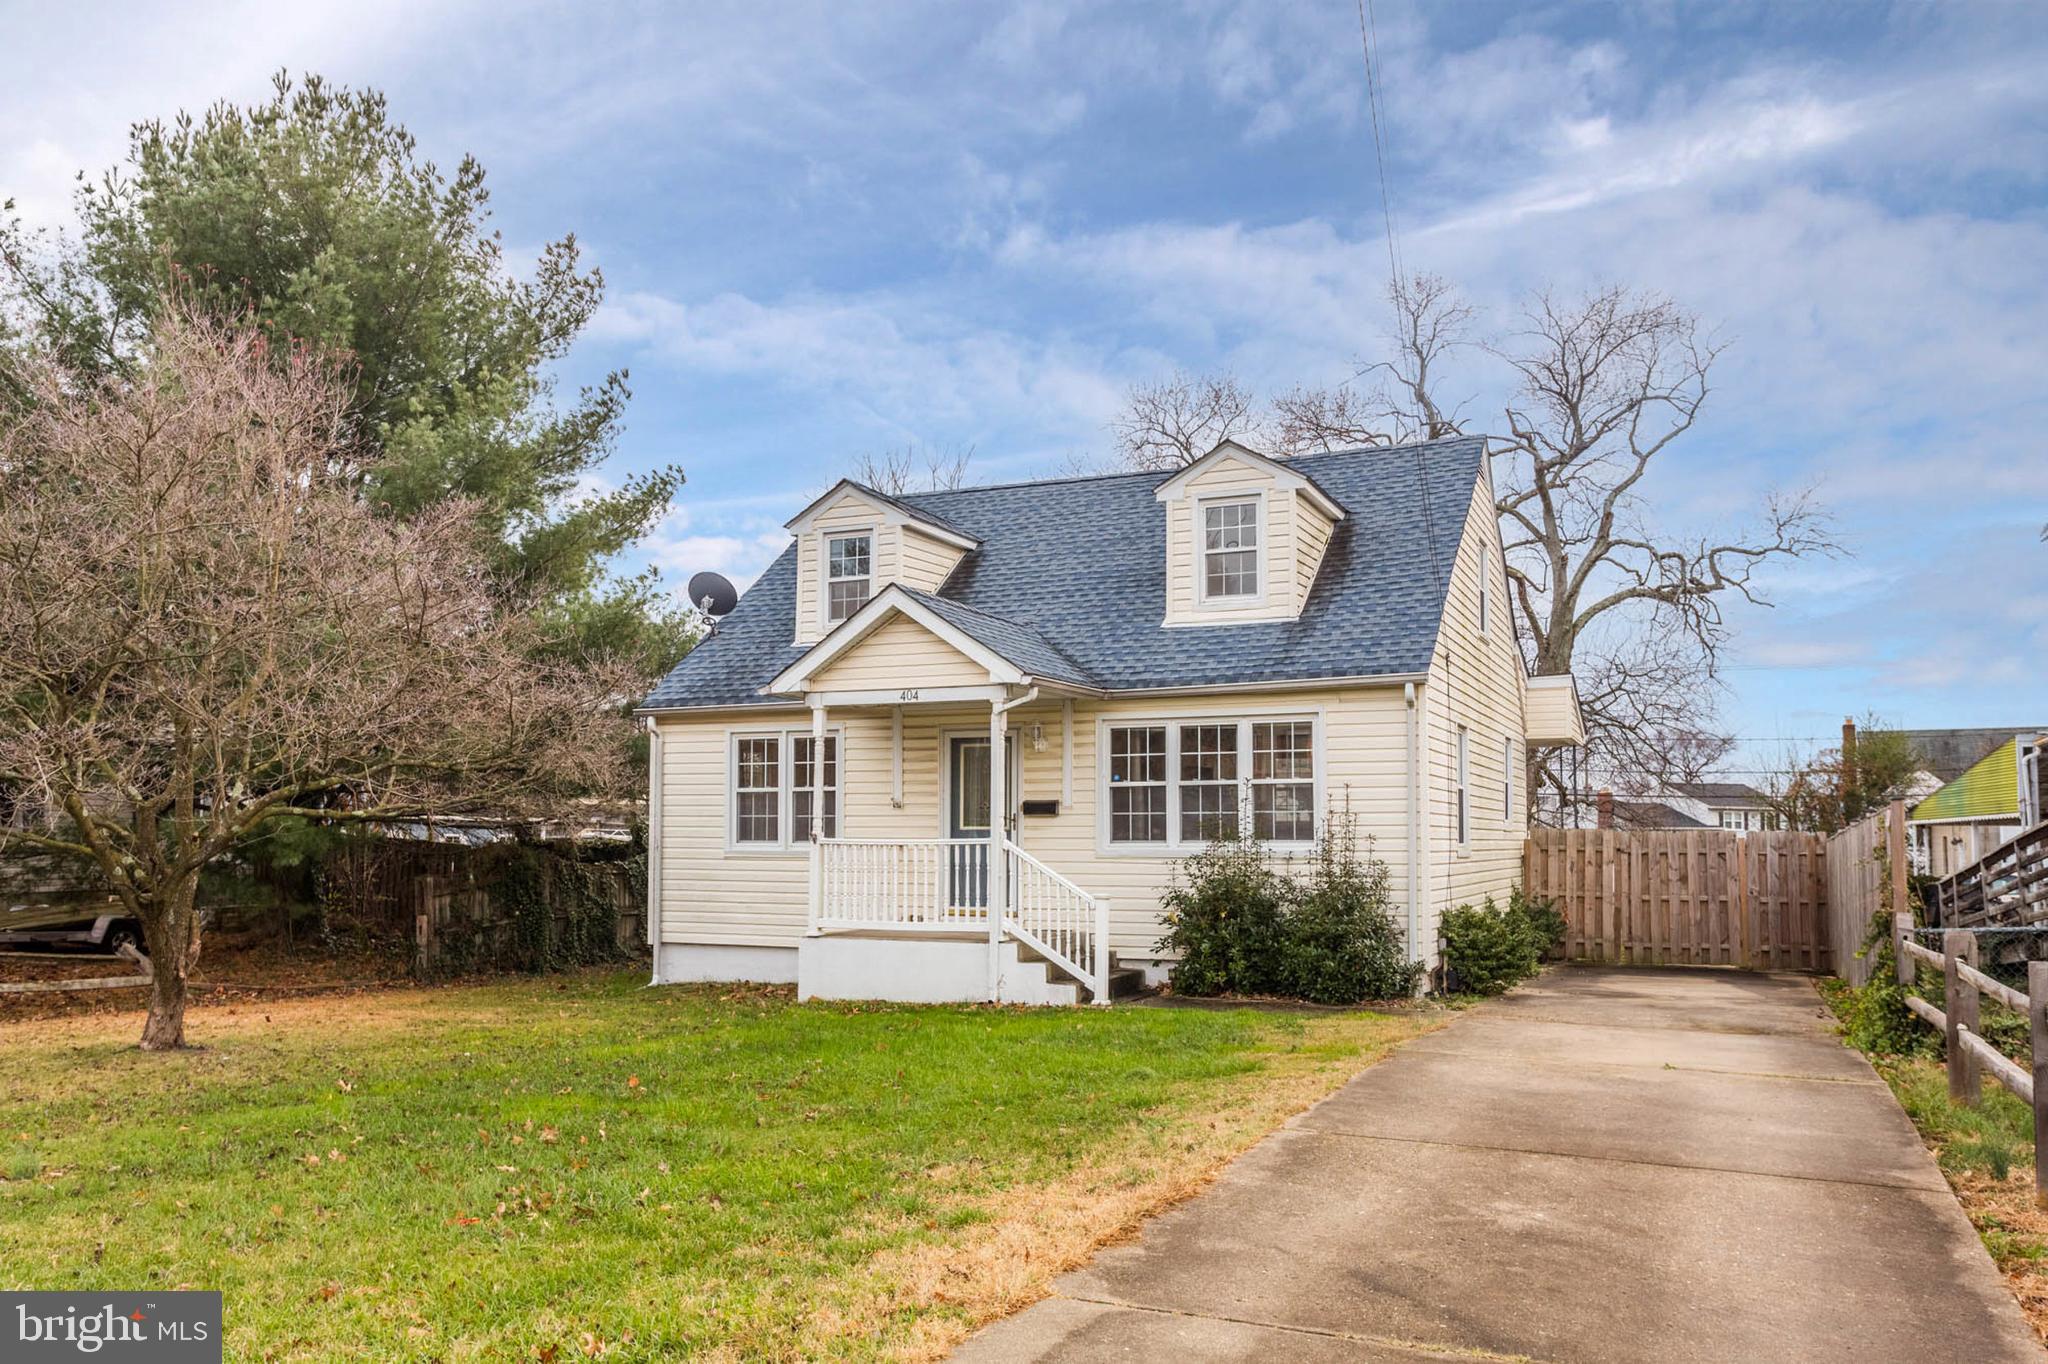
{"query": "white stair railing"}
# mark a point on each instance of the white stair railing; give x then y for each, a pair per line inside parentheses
(1062, 922)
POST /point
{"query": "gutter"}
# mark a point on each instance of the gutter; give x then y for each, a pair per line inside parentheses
(772, 701)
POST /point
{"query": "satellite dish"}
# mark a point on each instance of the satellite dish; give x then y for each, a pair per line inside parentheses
(712, 594)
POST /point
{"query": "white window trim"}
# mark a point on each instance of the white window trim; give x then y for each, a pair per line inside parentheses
(825, 579)
(1199, 531)
(1507, 780)
(788, 843)
(1175, 846)
(1461, 809)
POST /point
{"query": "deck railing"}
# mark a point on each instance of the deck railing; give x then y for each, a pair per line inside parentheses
(938, 884)
(2008, 885)
(905, 885)
(1970, 1057)
(1059, 920)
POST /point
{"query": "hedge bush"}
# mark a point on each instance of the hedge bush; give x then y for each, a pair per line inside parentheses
(1241, 925)
(1224, 913)
(1488, 948)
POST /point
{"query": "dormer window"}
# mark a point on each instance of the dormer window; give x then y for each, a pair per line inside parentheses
(1230, 549)
(849, 575)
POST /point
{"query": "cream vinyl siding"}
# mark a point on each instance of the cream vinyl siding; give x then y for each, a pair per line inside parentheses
(1475, 682)
(1312, 537)
(925, 562)
(900, 654)
(712, 895)
(1553, 715)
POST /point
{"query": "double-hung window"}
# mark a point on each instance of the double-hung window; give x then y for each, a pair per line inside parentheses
(1137, 784)
(774, 777)
(1230, 549)
(849, 574)
(1464, 786)
(1283, 785)
(1208, 783)
(803, 784)
(757, 789)
(1182, 784)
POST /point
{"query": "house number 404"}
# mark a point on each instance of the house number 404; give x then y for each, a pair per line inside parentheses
(908, 694)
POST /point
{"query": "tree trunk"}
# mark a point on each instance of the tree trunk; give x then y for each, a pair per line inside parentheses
(170, 929)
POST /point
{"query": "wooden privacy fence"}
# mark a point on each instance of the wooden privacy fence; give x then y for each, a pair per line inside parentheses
(1970, 1057)
(1685, 897)
(1859, 858)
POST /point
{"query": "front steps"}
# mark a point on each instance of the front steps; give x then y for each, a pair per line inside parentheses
(911, 968)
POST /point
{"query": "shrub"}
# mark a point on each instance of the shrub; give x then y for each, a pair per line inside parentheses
(1875, 1018)
(1241, 926)
(1488, 949)
(1544, 922)
(1341, 944)
(1223, 915)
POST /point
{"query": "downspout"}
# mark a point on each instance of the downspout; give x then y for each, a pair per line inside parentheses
(654, 847)
(1414, 838)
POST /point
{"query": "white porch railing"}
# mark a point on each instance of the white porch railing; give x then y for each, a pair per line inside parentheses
(936, 884)
(1065, 924)
(906, 885)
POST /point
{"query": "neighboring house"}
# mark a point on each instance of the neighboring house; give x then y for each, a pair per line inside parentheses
(1994, 799)
(1721, 804)
(1105, 673)
(1652, 814)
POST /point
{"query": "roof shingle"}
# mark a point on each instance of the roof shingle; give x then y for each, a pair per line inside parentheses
(1079, 566)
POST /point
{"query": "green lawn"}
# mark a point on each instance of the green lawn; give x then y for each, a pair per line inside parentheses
(553, 1168)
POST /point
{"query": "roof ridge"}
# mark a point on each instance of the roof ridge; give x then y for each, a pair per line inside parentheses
(1080, 669)
(1162, 474)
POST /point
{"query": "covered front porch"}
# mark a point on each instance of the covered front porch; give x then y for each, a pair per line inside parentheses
(964, 914)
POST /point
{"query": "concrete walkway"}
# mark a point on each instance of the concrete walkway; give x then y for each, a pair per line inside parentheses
(1606, 1165)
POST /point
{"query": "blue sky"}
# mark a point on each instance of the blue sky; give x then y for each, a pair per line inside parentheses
(836, 229)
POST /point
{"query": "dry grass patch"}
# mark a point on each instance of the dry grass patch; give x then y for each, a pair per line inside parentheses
(1037, 1231)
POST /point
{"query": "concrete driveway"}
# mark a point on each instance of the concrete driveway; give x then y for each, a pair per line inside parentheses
(1604, 1165)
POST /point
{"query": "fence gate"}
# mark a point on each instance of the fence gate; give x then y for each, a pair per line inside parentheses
(1685, 897)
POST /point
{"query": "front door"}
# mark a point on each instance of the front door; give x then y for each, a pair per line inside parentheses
(970, 816)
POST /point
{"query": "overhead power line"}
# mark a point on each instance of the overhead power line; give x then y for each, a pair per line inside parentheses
(1368, 35)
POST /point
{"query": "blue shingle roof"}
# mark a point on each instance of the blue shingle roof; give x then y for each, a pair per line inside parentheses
(1074, 570)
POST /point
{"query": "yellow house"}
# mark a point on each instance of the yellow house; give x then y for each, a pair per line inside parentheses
(951, 745)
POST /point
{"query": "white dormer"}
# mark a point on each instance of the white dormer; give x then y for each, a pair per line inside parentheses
(1244, 537)
(853, 542)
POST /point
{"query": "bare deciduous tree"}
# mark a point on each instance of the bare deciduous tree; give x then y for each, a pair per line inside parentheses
(1602, 386)
(205, 629)
(1178, 420)
(911, 469)
(1391, 401)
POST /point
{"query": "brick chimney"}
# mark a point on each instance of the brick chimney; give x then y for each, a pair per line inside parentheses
(1603, 801)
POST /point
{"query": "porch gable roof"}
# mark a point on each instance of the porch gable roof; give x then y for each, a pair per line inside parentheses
(1013, 654)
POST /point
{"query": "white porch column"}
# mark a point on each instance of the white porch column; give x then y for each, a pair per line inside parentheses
(998, 838)
(817, 824)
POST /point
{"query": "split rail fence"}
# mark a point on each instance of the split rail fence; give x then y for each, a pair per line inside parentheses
(1686, 897)
(1970, 1057)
